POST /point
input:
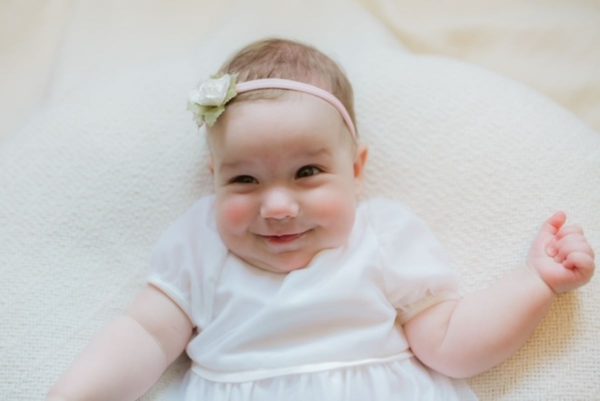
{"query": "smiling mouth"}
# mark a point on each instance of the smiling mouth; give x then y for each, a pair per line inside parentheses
(283, 239)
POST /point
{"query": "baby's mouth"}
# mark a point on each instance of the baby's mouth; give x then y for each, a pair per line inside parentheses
(283, 238)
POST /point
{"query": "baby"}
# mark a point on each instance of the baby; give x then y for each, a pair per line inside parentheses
(282, 286)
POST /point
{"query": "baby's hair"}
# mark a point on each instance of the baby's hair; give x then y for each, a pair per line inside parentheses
(286, 59)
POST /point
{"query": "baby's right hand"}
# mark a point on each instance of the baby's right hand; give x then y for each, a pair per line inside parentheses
(561, 255)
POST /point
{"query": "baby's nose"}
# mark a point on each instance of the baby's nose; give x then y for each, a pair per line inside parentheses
(279, 204)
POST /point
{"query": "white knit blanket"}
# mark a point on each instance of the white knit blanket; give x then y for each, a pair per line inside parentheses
(89, 184)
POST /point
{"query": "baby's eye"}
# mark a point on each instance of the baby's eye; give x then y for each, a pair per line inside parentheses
(308, 171)
(243, 179)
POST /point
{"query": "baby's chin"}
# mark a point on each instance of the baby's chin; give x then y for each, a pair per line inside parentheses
(282, 264)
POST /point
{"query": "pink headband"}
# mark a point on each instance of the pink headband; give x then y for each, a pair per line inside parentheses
(208, 101)
(276, 83)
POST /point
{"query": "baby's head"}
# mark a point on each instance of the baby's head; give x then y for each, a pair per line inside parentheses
(286, 163)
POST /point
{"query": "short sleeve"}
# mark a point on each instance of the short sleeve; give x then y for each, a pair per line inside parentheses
(416, 271)
(184, 259)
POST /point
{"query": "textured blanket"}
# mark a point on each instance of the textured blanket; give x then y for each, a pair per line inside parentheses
(93, 177)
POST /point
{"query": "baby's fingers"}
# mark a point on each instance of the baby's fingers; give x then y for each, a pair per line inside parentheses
(554, 223)
(572, 229)
(545, 241)
(582, 262)
(572, 243)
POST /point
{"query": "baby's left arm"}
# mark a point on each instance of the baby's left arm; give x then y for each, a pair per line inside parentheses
(465, 337)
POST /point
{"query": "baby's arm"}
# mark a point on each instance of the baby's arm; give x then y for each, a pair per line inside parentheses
(466, 337)
(130, 354)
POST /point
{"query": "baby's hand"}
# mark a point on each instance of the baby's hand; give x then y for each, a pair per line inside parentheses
(561, 255)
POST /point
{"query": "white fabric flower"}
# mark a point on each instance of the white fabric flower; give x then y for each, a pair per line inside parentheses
(211, 92)
(207, 102)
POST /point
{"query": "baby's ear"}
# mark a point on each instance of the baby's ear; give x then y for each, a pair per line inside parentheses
(360, 161)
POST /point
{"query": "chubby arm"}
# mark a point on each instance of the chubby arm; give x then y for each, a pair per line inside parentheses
(130, 354)
(466, 337)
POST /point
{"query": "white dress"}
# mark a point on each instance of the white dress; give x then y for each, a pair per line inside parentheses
(331, 331)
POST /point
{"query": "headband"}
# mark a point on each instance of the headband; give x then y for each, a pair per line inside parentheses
(207, 102)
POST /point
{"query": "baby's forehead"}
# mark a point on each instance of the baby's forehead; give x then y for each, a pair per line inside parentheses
(290, 124)
(288, 111)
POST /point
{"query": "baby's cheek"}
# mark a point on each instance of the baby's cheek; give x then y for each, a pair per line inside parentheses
(336, 207)
(234, 214)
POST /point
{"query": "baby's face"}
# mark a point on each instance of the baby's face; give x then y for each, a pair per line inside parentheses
(286, 177)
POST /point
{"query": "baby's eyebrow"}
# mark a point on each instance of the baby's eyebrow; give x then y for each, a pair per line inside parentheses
(231, 165)
(317, 152)
(304, 154)
(311, 153)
